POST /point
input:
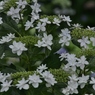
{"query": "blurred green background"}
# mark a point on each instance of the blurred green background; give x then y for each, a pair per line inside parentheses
(81, 11)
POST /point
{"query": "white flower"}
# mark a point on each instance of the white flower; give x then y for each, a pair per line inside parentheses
(46, 41)
(35, 8)
(39, 44)
(49, 78)
(83, 80)
(5, 86)
(22, 84)
(65, 32)
(62, 56)
(88, 94)
(4, 39)
(41, 27)
(42, 68)
(18, 47)
(21, 3)
(66, 91)
(35, 16)
(14, 13)
(90, 28)
(11, 36)
(28, 24)
(84, 41)
(93, 41)
(76, 26)
(92, 81)
(34, 80)
(1, 5)
(67, 19)
(64, 41)
(1, 20)
(82, 62)
(56, 21)
(45, 20)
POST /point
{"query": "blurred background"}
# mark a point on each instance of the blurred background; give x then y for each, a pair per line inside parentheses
(80, 11)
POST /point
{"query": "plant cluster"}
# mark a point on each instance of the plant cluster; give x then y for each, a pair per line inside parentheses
(38, 56)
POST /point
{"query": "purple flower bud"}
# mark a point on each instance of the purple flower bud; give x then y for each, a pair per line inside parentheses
(92, 74)
(61, 50)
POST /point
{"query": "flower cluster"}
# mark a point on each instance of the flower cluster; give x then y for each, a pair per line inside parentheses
(38, 77)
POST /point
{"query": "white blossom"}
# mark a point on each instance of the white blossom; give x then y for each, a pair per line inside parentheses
(77, 26)
(35, 8)
(23, 84)
(84, 41)
(56, 21)
(92, 81)
(90, 28)
(28, 24)
(49, 78)
(2, 56)
(46, 41)
(41, 68)
(14, 13)
(83, 80)
(34, 80)
(5, 86)
(21, 3)
(41, 27)
(7, 38)
(45, 20)
(18, 47)
(63, 56)
(67, 19)
(82, 62)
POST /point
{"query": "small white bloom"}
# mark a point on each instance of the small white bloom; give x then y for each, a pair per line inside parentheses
(41, 27)
(28, 24)
(82, 62)
(64, 41)
(91, 28)
(42, 68)
(49, 78)
(22, 84)
(65, 32)
(11, 36)
(18, 47)
(92, 81)
(67, 19)
(35, 8)
(63, 56)
(46, 41)
(76, 26)
(84, 41)
(34, 16)
(93, 41)
(56, 21)
(1, 20)
(83, 80)
(45, 20)
(5, 86)
(21, 3)
(34, 80)
(14, 13)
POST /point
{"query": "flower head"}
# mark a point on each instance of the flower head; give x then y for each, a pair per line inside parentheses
(18, 47)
